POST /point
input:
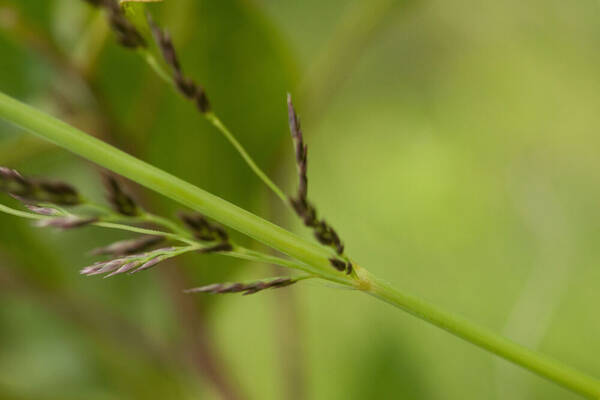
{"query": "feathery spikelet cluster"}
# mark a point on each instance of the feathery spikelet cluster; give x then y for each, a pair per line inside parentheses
(134, 255)
(120, 201)
(323, 232)
(185, 85)
(129, 264)
(37, 191)
(246, 288)
(126, 33)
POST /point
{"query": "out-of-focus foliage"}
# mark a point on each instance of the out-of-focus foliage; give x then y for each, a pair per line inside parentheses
(455, 154)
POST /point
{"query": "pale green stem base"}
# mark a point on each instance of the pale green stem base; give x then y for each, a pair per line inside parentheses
(485, 338)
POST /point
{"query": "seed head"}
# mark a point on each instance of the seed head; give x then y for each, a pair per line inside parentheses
(323, 232)
(247, 288)
(130, 264)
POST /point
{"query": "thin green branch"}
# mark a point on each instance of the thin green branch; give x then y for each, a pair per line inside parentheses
(216, 122)
(315, 257)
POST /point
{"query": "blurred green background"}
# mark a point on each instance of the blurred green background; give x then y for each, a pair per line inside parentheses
(452, 144)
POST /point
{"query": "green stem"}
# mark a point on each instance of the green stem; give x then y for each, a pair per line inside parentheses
(315, 257)
(487, 339)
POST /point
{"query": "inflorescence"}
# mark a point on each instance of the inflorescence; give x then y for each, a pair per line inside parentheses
(45, 200)
(323, 232)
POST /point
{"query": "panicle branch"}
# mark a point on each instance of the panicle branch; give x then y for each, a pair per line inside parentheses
(323, 232)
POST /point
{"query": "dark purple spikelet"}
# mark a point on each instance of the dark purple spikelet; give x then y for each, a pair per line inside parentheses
(37, 191)
(323, 232)
(186, 86)
(127, 247)
(203, 229)
(246, 288)
(68, 222)
(300, 148)
(338, 264)
(126, 32)
(56, 192)
(341, 265)
(120, 201)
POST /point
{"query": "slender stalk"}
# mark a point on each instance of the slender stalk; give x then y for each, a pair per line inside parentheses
(216, 122)
(315, 257)
(487, 339)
